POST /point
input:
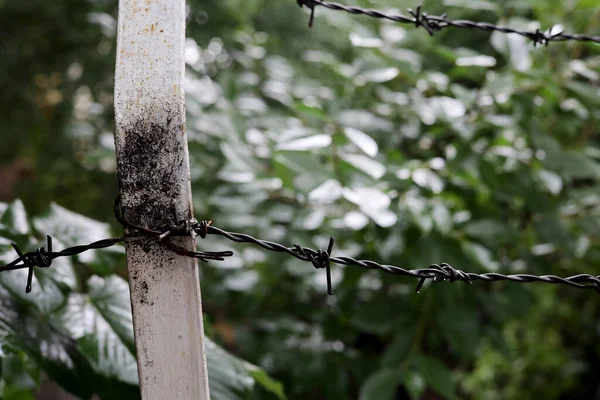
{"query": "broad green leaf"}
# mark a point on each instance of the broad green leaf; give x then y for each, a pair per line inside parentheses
(428, 179)
(587, 94)
(381, 74)
(101, 322)
(397, 350)
(231, 378)
(54, 351)
(488, 230)
(414, 384)
(438, 376)
(15, 217)
(269, 384)
(365, 164)
(551, 181)
(482, 255)
(306, 143)
(381, 385)
(326, 193)
(362, 141)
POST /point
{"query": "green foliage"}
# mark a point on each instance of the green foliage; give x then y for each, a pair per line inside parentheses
(76, 327)
(470, 148)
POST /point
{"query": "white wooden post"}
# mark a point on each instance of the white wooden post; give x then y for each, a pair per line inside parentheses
(153, 172)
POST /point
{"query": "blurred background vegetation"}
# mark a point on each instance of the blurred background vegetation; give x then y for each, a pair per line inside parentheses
(470, 148)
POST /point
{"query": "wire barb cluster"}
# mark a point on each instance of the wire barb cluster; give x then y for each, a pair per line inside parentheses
(320, 259)
(434, 23)
(42, 258)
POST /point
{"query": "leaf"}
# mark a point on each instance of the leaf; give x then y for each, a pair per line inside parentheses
(314, 219)
(587, 94)
(362, 141)
(231, 378)
(365, 164)
(414, 384)
(364, 120)
(381, 385)
(442, 218)
(306, 143)
(367, 197)
(355, 220)
(326, 193)
(373, 203)
(54, 351)
(516, 48)
(437, 375)
(460, 330)
(481, 254)
(428, 179)
(376, 316)
(268, 383)
(381, 75)
(573, 165)
(397, 351)
(302, 171)
(488, 230)
(311, 111)
(101, 322)
(361, 41)
(15, 217)
(551, 181)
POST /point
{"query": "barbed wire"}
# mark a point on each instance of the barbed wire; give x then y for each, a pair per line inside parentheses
(320, 259)
(434, 23)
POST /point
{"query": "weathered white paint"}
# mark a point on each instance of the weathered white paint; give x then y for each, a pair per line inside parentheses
(153, 172)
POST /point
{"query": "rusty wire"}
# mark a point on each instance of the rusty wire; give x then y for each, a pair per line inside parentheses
(433, 23)
(443, 272)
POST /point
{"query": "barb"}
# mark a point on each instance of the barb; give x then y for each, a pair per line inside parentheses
(432, 23)
(43, 258)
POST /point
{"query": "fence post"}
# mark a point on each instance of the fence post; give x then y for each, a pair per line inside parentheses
(154, 180)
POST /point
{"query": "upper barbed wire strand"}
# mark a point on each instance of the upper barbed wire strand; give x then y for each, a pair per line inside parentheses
(433, 23)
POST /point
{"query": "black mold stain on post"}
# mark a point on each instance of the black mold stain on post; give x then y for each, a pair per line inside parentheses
(150, 172)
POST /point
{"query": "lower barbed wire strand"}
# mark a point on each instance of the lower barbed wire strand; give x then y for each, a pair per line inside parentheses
(442, 272)
(319, 258)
